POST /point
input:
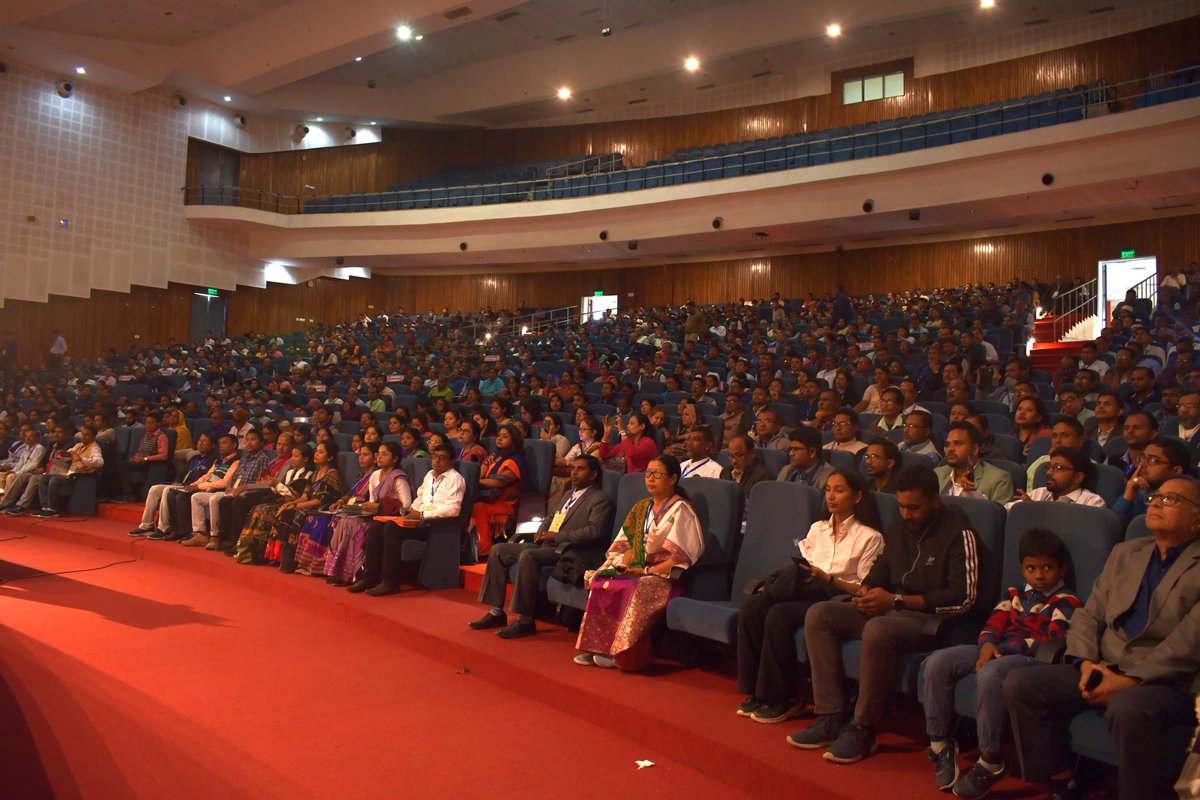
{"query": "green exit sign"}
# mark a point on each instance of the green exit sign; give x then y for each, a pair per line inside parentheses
(1128, 253)
(598, 293)
(212, 291)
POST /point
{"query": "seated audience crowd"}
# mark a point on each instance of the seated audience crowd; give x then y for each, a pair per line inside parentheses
(346, 451)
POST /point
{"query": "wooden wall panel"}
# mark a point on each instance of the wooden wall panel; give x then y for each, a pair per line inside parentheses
(111, 319)
(408, 154)
(106, 319)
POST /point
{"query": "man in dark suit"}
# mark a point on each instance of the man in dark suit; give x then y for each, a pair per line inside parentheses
(584, 515)
(1140, 631)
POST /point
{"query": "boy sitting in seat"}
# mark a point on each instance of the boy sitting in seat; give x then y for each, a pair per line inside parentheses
(1024, 619)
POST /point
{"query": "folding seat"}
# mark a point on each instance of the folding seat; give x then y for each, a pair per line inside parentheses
(767, 544)
(598, 183)
(635, 179)
(672, 174)
(713, 167)
(865, 144)
(455, 196)
(840, 144)
(962, 125)
(1043, 111)
(732, 165)
(422, 198)
(937, 130)
(617, 180)
(1014, 116)
(539, 456)
(438, 553)
(754, 161)
(786, 412)
(775, 157)
(999, 423)
(889, 141)
(912, 135)
(560, 188)
(579, 186)
(988, 122)
(692, 171)
(819, 151)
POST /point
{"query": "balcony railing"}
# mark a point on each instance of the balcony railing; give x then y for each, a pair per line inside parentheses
(744, 158)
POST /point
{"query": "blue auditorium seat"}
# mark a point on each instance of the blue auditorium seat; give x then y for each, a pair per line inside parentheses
(765, 548)
(712, 168)
(912, 135)
(865, 144)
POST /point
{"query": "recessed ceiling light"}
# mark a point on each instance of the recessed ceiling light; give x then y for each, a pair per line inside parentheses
(358, 58)
(372, 122)
(691, 63)
(418, 38)
(228, 99)
(564, 93)
(404, 33)
(80, 71)
(833, 31)
(987, 3)
(320, 119)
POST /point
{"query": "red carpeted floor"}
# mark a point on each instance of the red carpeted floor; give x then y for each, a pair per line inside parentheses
(182, 674)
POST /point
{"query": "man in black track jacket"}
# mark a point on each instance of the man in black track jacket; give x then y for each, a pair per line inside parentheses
(929, 566)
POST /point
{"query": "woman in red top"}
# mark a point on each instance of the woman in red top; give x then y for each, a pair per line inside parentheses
(637, 445)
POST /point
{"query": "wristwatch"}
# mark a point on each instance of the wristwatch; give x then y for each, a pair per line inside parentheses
(898, 601)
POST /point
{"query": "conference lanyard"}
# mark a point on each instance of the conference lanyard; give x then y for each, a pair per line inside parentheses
(433, 486)
(695, 467)
(654, 516)
(571, 501)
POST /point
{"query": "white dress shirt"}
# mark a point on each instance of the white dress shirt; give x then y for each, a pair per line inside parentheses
(700, 468)
(1080, 497)
(440, 495)
(847, 553)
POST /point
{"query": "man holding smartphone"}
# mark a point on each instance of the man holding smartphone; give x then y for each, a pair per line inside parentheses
(964, 475)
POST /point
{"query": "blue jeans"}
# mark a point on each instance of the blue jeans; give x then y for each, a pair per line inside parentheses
(944, 668)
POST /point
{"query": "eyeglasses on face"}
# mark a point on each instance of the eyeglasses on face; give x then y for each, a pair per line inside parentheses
(655, 473)
(1061, 468)
(842, 423)
(1169, 499)
(1151, 460)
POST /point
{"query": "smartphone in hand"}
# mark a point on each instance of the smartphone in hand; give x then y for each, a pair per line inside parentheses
(1094, 680)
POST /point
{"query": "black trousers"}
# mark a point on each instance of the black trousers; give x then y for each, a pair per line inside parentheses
(766, 647)
(232, 512)
(529, 558)
(385, 540)
(1042, 700)
(181, 511)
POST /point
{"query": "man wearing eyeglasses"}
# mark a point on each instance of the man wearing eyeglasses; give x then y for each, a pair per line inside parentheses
(917, 427)
(1160, 460)
(880, 461)
(745, 469)
(1140, 631)
(1138, 430)
(1066, 472)
(804, 460)
(1189, 421)
(845, 432)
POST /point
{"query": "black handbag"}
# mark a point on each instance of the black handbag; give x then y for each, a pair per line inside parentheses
(792, 583)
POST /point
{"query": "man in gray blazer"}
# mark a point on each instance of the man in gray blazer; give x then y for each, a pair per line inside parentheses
(804, 459)
(584, 515)
(1139, 632)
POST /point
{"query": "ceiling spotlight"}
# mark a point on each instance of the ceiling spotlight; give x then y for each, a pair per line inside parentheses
(987, 3)
(228, 99)
(833, 31)
(404, 33)
(358, 58)
(320, 119)
(564, 93)
(606, 30)
(418, 37)
(80, 71)
(372, 122)
(691, 63)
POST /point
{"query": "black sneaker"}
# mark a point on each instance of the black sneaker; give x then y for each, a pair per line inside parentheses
(827, 728)
(853, 744)
(749, 706)
(141, 531)
(945, 765)
(156, 534)
(770, 713)
(978, 782)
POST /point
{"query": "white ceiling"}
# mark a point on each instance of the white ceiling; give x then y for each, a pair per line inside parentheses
(498, 62)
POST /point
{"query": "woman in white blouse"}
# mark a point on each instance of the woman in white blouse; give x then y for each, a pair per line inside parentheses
(836, 555)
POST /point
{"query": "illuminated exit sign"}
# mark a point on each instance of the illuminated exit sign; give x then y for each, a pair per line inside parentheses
(1128, 253)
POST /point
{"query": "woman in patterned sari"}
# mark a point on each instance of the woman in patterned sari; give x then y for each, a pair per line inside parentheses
(325, 488)
(384, 487)
(500, 480)
(288, 486)
(628, 595)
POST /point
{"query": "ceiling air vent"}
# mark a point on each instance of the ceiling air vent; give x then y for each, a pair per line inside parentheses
(1177, 205)
(1104, 10)
(639, 100)
(1075, 219)
(506, 16)
(1032, 22)
(457, 13)
(568, 37)
(762, 74)
(706, 86)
